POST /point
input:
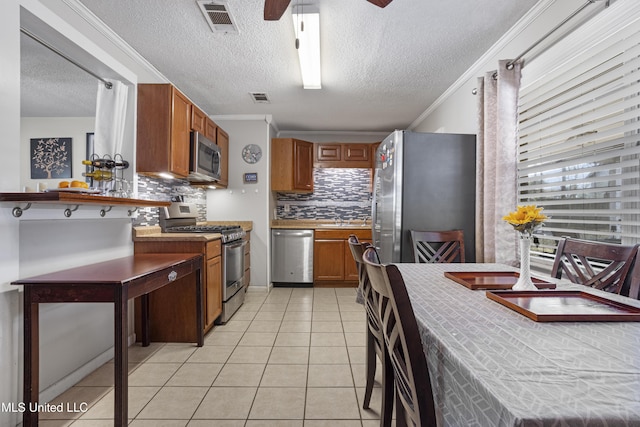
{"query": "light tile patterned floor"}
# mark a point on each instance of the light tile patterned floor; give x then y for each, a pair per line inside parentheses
(291, 358)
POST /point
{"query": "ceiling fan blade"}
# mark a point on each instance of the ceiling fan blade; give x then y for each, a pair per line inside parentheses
(274, 9)
(380, 3)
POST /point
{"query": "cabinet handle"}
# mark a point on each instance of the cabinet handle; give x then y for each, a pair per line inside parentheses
(172, 276)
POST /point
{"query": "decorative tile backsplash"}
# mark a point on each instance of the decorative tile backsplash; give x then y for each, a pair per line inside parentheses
(338, 193)
(163, 189)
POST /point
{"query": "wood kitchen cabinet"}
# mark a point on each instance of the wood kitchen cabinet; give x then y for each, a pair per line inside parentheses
(163, 131)
(337, 155)
(171, 307)
(333, 264)
(291, 165)
(328, 153)
(211, 130)
(213, 281)
(222, 139)
(203, 124)
(198, 120)
(247, 260)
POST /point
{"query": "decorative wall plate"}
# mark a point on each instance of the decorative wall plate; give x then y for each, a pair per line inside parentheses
(251, 153)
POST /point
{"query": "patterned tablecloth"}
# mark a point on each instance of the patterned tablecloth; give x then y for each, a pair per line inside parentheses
(491, 366)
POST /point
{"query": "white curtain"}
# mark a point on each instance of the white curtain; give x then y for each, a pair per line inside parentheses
(111, 113)
(496, 183)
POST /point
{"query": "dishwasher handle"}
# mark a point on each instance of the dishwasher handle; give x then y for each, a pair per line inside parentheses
(294, 233)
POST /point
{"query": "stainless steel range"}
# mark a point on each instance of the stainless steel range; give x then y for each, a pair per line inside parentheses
(181, 217)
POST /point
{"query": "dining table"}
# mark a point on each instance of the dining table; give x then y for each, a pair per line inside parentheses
(493, 366)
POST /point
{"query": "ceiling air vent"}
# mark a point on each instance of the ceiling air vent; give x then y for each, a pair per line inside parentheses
(218, 16)
(260, 97)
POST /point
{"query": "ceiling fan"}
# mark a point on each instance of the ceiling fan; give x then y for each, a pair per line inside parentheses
(274, 9)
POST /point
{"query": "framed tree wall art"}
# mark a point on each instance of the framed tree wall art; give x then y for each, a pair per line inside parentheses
(50, 158)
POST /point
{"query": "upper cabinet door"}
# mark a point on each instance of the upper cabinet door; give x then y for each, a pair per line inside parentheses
(303, 165)
(180, 134)
(198, 119)
(163, 131)
(291, 165)
(328, 152)
(222, 139)
(356, 152)
(211, 129)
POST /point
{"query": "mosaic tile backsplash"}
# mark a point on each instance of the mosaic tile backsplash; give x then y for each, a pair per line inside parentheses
(338, 193)
(163, 189)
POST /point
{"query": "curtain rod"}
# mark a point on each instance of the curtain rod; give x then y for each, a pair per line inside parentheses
(553, 30)
(107, 84)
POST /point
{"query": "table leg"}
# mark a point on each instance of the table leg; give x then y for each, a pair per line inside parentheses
(121, 365)
(31, 381)
(199, 308)
(144, 318)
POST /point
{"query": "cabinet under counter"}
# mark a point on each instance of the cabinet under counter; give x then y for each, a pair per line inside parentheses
(171, 308)
(172, 305)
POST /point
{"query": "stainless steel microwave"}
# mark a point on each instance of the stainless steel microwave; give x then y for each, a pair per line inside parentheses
(204, 161)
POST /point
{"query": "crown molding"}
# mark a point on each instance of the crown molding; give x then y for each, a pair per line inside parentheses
(96, 23)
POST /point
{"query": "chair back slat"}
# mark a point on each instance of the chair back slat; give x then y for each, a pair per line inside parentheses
(414, 395)
(438, 246)
(598, 265)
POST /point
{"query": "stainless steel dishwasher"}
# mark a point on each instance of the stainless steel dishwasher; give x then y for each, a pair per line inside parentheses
(291, 257)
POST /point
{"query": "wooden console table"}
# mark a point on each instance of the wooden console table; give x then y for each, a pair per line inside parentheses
(114, 281)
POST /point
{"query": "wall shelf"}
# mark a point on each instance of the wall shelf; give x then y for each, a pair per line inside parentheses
(73, 201)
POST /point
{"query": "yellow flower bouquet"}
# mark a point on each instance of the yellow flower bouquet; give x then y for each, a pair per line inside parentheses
(526, 218)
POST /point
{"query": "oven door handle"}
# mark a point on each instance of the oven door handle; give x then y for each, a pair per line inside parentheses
(234, 245)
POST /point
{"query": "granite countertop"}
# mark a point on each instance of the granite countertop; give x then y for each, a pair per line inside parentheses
(319, 224)
(154, 232)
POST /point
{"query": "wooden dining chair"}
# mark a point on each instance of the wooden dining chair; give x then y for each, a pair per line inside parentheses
(414, 395)
(631, 286)
(438, 246)
(598, 265)
(375, 346)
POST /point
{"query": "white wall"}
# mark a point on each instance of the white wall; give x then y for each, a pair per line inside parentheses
(455, 111)
(9, 180)
(44, 127)
(247, 202)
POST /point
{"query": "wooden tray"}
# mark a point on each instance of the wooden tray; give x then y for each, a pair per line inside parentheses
(565, 306)
(499, 280)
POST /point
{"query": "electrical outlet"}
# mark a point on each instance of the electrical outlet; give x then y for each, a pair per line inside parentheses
(287, 207)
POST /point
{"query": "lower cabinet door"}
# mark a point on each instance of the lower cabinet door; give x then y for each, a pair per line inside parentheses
(328, 260)
(213, 293)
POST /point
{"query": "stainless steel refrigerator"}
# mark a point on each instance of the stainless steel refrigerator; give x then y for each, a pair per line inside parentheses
(423, 181)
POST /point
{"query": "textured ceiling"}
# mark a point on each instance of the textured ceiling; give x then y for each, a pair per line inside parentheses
(51, 86)
(381, 68)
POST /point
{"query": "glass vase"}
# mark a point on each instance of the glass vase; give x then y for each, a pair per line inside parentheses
(524, 282)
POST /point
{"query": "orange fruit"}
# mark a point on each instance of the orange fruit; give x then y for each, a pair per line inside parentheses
(63, 184)
(79, 184)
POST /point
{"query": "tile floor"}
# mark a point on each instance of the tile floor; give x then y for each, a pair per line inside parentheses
(291, 358)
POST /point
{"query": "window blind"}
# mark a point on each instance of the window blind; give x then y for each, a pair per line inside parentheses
(579, 145)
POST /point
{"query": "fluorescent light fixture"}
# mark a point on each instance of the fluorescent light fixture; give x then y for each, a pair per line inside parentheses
(307, 28)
